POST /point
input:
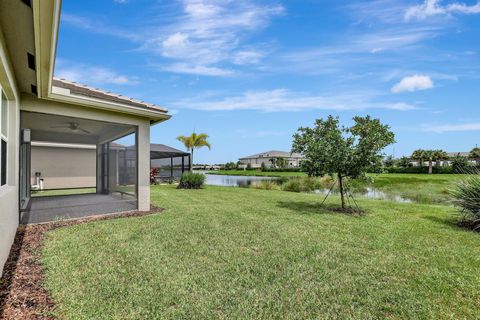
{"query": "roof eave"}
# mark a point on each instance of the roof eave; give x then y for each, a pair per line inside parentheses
(155, 116)
(46, 19)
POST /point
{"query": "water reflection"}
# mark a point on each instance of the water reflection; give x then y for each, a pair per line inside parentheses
(373, 194)
(233, 181)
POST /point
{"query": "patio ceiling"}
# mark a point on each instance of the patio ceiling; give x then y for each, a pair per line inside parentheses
(54, 128)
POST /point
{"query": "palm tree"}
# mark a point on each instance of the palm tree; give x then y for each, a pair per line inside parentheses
(419, 155)
(475, 155)
(430, 155)
(194, 141)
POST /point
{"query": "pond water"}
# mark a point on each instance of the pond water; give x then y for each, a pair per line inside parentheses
(233, 181)
(373, 194)
(246, 181)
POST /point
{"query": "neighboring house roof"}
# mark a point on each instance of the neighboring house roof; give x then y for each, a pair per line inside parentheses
(161, 151)
(454, 154)
(90, 92)
(273, 154)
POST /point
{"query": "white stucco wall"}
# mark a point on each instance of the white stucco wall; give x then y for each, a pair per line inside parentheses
(9, 192)
(63, 168)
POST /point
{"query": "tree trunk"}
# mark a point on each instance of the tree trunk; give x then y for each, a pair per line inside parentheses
(340, 183)
(191, 160)
(430, 166)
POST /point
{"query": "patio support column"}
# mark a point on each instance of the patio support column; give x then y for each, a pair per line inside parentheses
(183, 164)
(171, 167)
(143, 166)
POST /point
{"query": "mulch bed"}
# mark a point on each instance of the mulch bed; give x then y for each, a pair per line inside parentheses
(22, 295)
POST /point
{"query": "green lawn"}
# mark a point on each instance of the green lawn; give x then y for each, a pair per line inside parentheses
(235, 253)
(258, 173)
(62, 192)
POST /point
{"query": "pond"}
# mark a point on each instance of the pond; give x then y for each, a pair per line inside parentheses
(233, 181)
(246, 181)
(373, 194)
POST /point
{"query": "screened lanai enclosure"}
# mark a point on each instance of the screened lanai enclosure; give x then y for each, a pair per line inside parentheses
(77, 153)
(168, 163)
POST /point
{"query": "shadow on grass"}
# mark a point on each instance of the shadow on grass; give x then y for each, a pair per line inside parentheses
(456, 223)
(304, 207)
(451, 222)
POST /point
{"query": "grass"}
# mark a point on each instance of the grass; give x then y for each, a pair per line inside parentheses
(257, 173)
(279, 255)
(62, 192)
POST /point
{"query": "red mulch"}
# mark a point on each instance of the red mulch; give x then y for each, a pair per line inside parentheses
(22, 295)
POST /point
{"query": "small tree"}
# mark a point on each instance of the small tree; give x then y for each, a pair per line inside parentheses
(389, 162)
(475, 155)
(404, 162)
(345, 152)
(281, 162)
(460, 164)
(194, 141)
(273, 161)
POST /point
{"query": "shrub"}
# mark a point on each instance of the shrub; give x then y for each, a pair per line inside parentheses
(191, 180)
(266, 185)
(154, 172)
(466, 195)
(303, 184)
(230, 166)
(460, 164)
(443, 170)
(292, 185)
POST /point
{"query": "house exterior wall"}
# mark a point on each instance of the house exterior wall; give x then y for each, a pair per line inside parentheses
(9, 192)
(257, 162)
(63, 168)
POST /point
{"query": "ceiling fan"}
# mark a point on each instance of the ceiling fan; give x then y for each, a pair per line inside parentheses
(74, 126)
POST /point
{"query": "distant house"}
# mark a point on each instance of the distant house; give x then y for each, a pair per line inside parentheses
(267, 158)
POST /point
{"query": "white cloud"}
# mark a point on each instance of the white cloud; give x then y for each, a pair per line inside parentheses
(120, 1)
(413, 83)
(433, 8)
(283, 100)
(247, 57)
(452, 127)
(99, 27)
(92, 75)
(210, 32)
(197, 70)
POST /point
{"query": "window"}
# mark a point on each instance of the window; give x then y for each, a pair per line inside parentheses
(3, 138)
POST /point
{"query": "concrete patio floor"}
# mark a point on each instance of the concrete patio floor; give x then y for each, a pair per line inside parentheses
(53, 208)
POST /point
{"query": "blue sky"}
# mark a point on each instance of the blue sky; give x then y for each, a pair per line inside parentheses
(249, 72)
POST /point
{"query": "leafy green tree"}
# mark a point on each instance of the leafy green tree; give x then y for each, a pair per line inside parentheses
(230, 166)
(389, 162)
(281, 162)
(345, 152)
(273, 161)
(419, 155)
(194, 141)
(475, 155)
(460, 164)
(404, 162)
